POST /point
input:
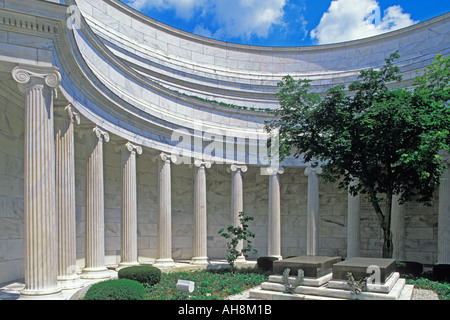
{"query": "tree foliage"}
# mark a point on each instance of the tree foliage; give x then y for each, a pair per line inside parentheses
(390, 139)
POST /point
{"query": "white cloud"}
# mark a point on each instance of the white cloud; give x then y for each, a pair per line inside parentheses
(183, 8)
(355, 19)
(202, 31)
(231, 18)
(247, 18)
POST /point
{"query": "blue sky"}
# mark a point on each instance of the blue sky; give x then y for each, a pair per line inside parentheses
(289, 22)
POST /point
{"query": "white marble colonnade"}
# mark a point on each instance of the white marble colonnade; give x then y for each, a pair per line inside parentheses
(65, 120)
(40, 221)
(95, 209)
(165, 211)
(444, 216)
(274, 219)
(200, 213)
(129, 250)
(237, 200)
(49, 198)
(312, 211)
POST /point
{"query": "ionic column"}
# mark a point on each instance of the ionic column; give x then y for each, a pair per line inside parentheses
(274, 231)
(65, 119)
(95, 207)
(200, 213)
(312, 224)
(165, 212)
(353, 221)
(444, 217)
(40, 221)
(237, 200)
(398, 229)
(129, 252)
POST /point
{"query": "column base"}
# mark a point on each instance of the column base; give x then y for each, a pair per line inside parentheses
(241, 259)
(51, 294)
(127, 264)
(164, 263)
(95, 273)
(200, 261)
(70, 282)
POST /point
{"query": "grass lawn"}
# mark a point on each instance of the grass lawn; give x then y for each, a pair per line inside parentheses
(442, 289)
(214, 284)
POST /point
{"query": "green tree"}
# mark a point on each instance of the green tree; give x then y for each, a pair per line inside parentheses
(390, 140)
(237, 234)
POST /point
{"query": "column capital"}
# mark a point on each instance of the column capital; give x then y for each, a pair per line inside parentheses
(101, 133)
(61, 112)
(271, 171)
(167, 157)
(236, 167)
(133, 148)
(199, 163)
(48, 75)
(310, 170)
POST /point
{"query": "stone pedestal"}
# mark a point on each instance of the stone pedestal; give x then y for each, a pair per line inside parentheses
(40, 219)
(312, 266)
(364, 267)
(129, 251)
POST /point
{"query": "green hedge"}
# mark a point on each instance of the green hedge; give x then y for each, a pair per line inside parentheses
(116, 289)
(142, 274)
(266, 263)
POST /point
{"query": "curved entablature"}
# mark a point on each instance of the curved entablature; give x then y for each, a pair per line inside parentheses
(247, 75)
(155, 85)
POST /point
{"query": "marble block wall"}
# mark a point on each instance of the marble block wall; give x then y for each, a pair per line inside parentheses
(421, 222)
(11, 190)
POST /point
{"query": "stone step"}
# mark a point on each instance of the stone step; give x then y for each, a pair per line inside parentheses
(273, 291)
(276, 295)
(407, 292)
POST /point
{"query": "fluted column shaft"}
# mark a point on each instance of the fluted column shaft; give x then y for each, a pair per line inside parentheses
(95, 207)
(65, 197)
(274, 227)
(312, 224)
(129, 252)
(200, 213)
(444, 217)
(40, 220)
(398, 229)
(353, 222)
(237, 200)
(165, 211)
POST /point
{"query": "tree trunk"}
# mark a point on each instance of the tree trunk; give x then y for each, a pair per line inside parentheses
(385, 223)
(388, 245)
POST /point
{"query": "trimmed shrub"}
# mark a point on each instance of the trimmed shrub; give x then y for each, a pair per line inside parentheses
(409, 268)
(116, 289)
(266, 263)
(142, 274)
(441, 272)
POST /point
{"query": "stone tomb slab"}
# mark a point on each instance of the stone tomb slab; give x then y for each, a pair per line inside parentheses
(312, 266)
(358, 267)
